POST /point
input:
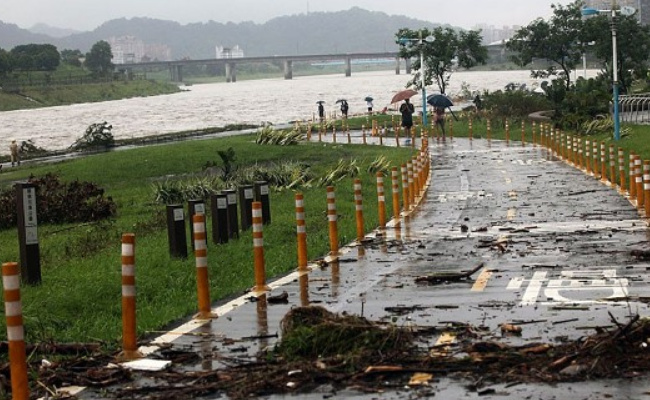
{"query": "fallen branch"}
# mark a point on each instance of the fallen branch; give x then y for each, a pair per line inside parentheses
(442, 277)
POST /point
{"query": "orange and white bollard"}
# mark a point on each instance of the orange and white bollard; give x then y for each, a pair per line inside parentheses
(406, 199)
(632, 191)
(471, 130)
(301, 232)
(395, 186)
(15, 331)
(594, 155)
(646, 187)
(381, 200)
(201, 256)
(489, 130)
(332, 221)
(603, 163)
(507, 132)
(358, 209)
(588, 156)
(621, 169)
(612, 166)
(533, 128)
(638, 176)
(258, 248)
(409, 177)
(129, 337)
(523, 132)
(363, 137)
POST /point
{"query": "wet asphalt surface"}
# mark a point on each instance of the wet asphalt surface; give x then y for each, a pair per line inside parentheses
(555, 244)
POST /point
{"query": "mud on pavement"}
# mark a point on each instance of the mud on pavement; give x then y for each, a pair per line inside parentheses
(519, 276)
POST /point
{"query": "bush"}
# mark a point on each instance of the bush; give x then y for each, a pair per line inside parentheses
(58, 202)
(514, 103)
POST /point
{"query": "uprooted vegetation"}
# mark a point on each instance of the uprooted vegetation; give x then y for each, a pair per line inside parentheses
(320, 348)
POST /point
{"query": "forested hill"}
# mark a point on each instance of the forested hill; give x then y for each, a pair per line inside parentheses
(354, 30)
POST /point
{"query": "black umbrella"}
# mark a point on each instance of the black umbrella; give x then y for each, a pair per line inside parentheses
(341, 101)
(439, 100)
(320, 102)
(368, 98)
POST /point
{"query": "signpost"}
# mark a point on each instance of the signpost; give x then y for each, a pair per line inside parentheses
(30, 260)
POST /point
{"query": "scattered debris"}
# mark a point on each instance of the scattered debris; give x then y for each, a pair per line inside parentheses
(443, 277)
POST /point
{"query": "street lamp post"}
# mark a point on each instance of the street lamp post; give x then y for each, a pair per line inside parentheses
(587, 11)
(421, 42)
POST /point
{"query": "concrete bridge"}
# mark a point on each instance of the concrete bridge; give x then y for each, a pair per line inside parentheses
(176, 67)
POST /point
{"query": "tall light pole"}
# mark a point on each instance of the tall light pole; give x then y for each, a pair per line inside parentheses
(421, 42)
(586, 11)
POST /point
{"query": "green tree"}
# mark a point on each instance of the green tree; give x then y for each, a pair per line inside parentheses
(36, 57)
(633, 43)
(557, 40)
(6, 63)
(441, 48)
(72, 57)
(98, 60)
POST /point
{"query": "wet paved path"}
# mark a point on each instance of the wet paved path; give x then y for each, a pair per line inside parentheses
(555, 244)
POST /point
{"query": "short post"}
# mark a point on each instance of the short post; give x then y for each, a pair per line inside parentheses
(603, 164)
(246, 198)
(219, 208)
(523, 132)
(358, 208)
(258, 248)
(588, 156)
(195, 207)
(409, 179)
(489, 130)
(405, 189)
(646, 187)
(233, 219)
(201, 257)
(129, 337)
(30, 256)
(594, 155)
(381, 200)
(471, 130)
(15, 331)
(612, 166)
(262, 194)
(638, 176)
(534, 127)
(507, 132)
(395, 184)
(632, 191)
(621, 169)
(301, 232)
(176, 231)
(332, 221)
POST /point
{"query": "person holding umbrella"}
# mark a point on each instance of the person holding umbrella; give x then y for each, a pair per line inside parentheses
(344, 108)
(407, 109)
(439, 114)
(321, 110)
(369, 104)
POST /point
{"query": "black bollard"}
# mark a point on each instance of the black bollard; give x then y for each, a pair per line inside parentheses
(219, 209)
(176, 231)
(233, 224)
(30, 259)
(246, 198)
(262, 195)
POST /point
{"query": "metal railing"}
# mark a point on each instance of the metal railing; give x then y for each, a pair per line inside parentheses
(635, 108)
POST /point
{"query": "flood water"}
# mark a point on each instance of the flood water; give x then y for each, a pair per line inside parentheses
(214, 105)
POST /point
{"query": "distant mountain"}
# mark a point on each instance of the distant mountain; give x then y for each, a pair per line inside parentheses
(11, 36)
(52, 30)
(354, 30)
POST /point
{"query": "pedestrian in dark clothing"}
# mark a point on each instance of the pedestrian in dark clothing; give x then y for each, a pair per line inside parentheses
(344, 108)
(321, 111)
(407, 109)
(440, 119)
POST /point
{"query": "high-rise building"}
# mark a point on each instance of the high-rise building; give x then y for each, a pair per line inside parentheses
(642, 7)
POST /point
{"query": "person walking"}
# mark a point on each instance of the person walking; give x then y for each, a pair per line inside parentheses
(407, 109)
(321, 111)
(440, 120)
(344, 108)
(369, 104)
(15, 154)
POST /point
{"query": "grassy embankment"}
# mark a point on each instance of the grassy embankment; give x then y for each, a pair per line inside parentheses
(47, 96)
(79, 298)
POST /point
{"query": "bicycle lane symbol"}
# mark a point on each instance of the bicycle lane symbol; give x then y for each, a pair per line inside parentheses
(577, 287)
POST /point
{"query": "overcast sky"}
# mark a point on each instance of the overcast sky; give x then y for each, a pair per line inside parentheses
(88, 14)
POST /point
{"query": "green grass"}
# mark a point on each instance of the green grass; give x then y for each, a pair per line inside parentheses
(79, 298)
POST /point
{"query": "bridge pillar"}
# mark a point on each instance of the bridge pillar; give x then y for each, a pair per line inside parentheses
(231, 72)
(408, 66)
(179, 73)
(397, 65)
(288, 69)
(348, 66)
